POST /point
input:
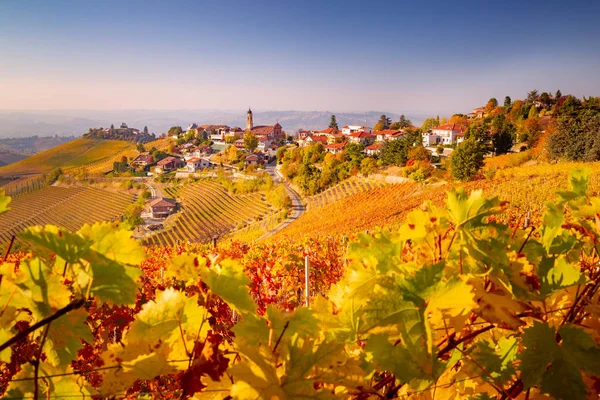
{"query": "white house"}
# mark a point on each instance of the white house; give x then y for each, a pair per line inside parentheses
(444, 134)
(195, 164)
(362, 137)
(350, 129)
(388, 134)
(335, 148)
(373, 149)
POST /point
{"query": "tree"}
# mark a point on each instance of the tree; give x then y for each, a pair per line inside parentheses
(533, 112)
(383, 123)
(558, 95)
(458, 119)
(440, 150)
(545, 99)
(175, 130)
(532, 97)
(333, 123)
(503, 135)
(507, 102)
(133, 214)
(429, 124)
(141, 148)
(419, 153)
(466, 160)
(404, 122)
(576, 138)
(112, 127)
(491, 104)
(250, 141)
(368, 165)
(145, 130)
(395, 152)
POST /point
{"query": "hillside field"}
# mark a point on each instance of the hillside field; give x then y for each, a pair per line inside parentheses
(207, 210)
(71, 154)
(527, 188)
(65, 207)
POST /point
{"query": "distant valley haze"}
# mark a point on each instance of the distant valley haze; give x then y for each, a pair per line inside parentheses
(77, 122)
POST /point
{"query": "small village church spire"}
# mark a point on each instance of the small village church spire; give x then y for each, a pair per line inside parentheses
(249, 121)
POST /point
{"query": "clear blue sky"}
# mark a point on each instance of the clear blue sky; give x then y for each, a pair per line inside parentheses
(397, 56)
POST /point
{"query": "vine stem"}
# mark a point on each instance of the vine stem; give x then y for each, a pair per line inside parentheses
(280, 336)
(36, 372)
(452, 344)
(526, 239)
(23, 334)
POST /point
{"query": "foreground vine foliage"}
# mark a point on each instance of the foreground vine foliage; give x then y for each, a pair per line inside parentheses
(452, 305)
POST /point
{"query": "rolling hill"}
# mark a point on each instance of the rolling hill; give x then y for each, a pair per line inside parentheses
(8, 157)
(72, 154)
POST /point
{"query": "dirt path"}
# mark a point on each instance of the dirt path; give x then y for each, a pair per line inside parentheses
(297, 208)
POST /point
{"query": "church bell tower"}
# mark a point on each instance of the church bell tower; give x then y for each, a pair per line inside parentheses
(249, 122)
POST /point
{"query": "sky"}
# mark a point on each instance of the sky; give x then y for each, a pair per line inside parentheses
(396, 56)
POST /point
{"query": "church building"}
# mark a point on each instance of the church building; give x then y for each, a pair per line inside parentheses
(272, 133)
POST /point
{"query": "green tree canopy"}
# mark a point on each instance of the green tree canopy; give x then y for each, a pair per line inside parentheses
(250, 141)
(467, 159)
(333, 123)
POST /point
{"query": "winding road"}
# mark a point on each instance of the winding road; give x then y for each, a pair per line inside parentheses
(297, 208)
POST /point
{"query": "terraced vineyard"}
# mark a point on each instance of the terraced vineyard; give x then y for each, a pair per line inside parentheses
(207, 210)
(70, 208)
(77, 153)
(342, 190)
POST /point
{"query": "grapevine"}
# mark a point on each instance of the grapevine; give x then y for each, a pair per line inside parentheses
(453, 303)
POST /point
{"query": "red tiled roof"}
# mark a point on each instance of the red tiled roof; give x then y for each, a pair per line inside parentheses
(262, 130)
(194, 160)
(168, 160)
(336, 145)
(163, 202)
(376, 146)
(388, 132)
(144, 157)
(328, 130)
(451, 127)
(319, 138)
(361, 134)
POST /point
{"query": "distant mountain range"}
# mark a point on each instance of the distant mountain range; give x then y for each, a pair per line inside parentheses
(77, 122)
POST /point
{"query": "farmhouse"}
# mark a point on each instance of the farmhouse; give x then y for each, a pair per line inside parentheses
(168, 164)
(350, 129)
(361, 137)
(254, 158)
(389, 134)
(335, 148)
(194, 164)
(443, 134)
(143, 159)
(161, 207)
(373, 149)
(316, 139)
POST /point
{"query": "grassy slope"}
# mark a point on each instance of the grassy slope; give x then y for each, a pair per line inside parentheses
(75, 153)
(527, 188)
(7, 158)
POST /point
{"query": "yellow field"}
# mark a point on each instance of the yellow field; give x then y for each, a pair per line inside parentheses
(66, 207)
(527, 189)
(72, 154)
(207, 210)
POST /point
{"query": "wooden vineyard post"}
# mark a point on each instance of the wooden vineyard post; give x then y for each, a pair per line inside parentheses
(162, 275)
(306, 281)
(214, 242)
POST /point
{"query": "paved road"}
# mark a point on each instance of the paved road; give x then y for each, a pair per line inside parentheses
(297, 207)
